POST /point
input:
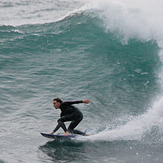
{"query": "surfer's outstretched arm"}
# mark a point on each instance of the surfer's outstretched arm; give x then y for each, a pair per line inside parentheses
(75, 102)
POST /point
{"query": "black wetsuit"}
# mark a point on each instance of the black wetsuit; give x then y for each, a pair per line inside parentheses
(69, 113)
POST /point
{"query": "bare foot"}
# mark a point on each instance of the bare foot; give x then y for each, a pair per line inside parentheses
(66, 133)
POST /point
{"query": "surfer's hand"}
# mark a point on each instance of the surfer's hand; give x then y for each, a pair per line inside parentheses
(86, 101)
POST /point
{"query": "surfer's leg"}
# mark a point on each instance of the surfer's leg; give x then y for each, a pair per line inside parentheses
(56, 128)
(72, 117)
(73, 124)
(78, 132)
(61, 123)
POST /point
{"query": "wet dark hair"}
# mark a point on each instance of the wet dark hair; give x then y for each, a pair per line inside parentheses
(58, 100)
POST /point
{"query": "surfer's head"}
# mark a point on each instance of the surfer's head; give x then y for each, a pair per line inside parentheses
(57, 102)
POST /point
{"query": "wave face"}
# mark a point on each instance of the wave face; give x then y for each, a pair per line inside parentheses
(109, 52)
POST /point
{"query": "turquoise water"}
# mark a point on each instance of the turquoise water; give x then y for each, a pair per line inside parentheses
(81, 50)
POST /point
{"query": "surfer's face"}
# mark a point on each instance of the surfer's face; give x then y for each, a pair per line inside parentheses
(56, 104)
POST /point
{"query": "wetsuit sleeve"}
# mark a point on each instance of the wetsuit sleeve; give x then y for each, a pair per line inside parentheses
(72, 102)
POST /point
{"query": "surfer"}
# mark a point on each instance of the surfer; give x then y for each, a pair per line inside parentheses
(68, 113)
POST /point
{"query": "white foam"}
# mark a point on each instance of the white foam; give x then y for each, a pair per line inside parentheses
(134, 129)
(141, 19)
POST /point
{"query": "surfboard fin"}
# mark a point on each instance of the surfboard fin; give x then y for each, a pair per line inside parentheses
(85, 134)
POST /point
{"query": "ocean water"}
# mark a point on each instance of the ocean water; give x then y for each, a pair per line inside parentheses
(108, 51)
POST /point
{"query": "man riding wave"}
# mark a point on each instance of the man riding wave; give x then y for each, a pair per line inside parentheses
(68, 113)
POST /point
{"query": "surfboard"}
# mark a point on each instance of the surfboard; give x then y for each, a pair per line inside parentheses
(54, 136)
